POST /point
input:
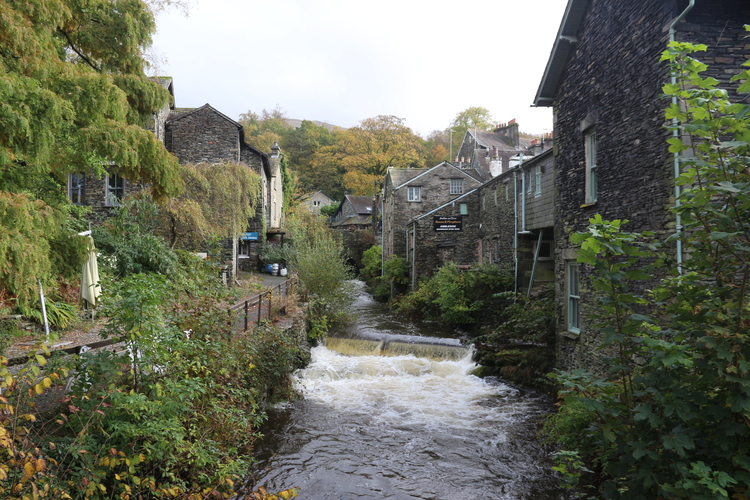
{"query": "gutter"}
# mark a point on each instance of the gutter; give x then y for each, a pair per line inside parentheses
(676, 135)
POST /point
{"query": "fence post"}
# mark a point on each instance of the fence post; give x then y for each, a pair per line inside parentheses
(260, 307)
(245, 316)
(270, 300)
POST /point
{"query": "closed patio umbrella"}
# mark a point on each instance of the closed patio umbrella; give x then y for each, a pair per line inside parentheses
(90, 289)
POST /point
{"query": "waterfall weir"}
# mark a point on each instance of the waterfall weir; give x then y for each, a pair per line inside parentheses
(394, 414)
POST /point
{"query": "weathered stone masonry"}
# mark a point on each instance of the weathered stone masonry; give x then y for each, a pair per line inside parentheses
(612, 84)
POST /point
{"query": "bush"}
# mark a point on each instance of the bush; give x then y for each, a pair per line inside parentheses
(317, 256)
(128, 244)
(460, 298)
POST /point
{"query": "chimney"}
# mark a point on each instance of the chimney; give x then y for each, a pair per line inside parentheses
(275, 150)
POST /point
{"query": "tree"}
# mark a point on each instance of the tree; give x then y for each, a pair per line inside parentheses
(474, 118)
(300, 145)
(217, 201)
(437, 145)
(74, 98)
(361, 155)
(261, 131)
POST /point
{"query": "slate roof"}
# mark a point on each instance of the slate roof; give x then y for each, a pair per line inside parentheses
(469, 172)
(359, 220)
(401, 175)
(310, 195)
(362, 204)
(180, 113)
(489, 140)
(164, 81)
(563, 47)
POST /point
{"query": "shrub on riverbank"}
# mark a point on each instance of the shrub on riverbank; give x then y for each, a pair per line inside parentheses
(386, 280)
(173, 415)
(316, 254)
(466, 299)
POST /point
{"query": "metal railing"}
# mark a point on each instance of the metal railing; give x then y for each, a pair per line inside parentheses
(260, 306)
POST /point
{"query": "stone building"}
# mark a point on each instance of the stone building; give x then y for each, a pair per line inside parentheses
(409, 193)
(604, 82)
(354, 212)
(196, 136)
(205, 135)
(516, 218)
(315, 201)
(448, 233)
(490, 153)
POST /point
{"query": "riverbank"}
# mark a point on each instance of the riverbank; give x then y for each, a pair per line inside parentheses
(174, 414)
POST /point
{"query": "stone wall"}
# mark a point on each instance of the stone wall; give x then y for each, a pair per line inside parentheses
(613, 83)
(435, 191)
(431, 249)
(496, 212)
(203, 135)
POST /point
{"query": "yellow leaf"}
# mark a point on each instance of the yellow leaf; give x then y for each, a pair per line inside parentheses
(41, 359)
(39, 389)
(28, 469)
(47, 382)
(40, 465)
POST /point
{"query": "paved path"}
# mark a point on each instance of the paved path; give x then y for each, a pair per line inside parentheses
(87, 334)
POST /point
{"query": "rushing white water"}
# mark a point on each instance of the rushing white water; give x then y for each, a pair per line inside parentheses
(403, 427)
(403, 390)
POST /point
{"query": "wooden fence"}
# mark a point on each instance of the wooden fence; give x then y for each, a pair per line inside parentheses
(260, 307)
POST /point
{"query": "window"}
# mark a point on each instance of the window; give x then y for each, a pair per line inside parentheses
(414, 193)
(538, 176)
(529, 183)
(463, 209)
(316, 203)
(115, 190)
(457, 186)
(77, 188)
(591, 181)
(574, 298)
(243, 249)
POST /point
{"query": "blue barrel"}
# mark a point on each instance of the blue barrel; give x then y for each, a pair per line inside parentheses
(269, 267)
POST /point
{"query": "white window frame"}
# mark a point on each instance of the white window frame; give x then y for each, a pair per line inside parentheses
(573, 296)
(592, 188)
(110, 196)
(538, 180)
(456, 186)
(78, 188)
(413, 193)
(529, 187)
(243, 249)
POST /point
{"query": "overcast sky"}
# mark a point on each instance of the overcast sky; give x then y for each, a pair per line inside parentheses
(342, 61)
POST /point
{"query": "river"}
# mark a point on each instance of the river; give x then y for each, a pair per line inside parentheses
(403, 426)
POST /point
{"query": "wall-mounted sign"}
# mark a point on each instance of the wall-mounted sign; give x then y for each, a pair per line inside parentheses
(447, 223)
(250, 237)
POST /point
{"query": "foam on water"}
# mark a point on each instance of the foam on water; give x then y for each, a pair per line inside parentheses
(402, 390)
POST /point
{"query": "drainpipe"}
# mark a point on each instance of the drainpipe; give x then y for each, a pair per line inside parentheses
(676, 135)
(515, 230)
(414, 257)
